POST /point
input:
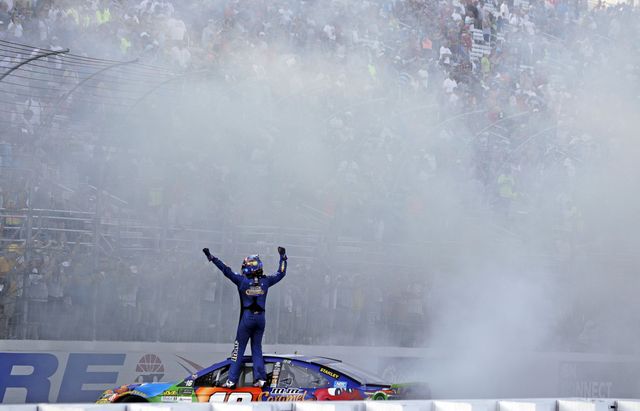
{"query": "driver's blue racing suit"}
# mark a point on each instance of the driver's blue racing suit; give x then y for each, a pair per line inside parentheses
(253, 299)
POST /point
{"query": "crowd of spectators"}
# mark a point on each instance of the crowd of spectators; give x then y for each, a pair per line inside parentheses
(70, 296)
(494, 83)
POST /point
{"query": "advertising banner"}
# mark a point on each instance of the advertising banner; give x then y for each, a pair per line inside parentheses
(70, 372)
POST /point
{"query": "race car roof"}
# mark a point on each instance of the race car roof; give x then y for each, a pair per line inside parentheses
(306, 358)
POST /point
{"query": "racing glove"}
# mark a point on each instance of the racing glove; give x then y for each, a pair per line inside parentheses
(283, 253)
(208, 254)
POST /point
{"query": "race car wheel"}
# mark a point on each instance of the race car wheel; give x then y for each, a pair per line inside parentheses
(133, 398)
(379, 396)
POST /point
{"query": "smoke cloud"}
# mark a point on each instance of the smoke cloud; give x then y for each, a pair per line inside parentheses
(488, 224)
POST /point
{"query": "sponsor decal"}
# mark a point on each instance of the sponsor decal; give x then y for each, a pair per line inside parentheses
(139, 393)
(185, 391)
(254, 290)
(329, 373)
(175, 398)
(283, 394)
(341, 394)
(234, 353)
(170, 392)
(283, 391)
(340, 384)
(276, 374)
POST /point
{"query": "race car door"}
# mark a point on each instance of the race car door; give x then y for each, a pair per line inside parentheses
(298, 381)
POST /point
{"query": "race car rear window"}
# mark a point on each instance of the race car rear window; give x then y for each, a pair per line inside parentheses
(296, 376)
(362, 376)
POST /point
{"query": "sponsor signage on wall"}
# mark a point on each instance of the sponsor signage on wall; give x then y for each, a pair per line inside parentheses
(34, 376)
(47, 371)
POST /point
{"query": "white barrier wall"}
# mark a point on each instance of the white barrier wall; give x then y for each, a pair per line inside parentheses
(628, 405)
(77, 372)
(440, 405)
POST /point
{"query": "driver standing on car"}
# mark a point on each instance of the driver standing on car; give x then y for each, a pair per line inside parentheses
(252, 287)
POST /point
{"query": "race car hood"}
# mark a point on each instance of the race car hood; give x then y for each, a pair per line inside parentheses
(151, 389)
(145, 390)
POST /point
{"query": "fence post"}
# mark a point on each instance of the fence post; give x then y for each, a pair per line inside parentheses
(94, 263)
(27, 263)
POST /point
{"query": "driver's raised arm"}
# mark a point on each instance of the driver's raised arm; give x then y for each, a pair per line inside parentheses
(226, 270)
(282, 268)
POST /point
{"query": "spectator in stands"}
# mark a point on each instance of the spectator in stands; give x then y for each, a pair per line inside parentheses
(55, 280)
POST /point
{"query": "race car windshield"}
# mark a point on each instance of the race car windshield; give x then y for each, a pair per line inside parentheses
(364, 377)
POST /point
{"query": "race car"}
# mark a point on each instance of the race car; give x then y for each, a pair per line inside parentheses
(289, 378)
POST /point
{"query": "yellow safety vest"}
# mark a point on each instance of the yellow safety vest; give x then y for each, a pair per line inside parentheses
(372, 70)
(486, 64)
(103, 17)
(125, 45)
(74, 14)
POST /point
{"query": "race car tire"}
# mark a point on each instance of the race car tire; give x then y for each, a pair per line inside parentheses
(379, 396)
(133, 398)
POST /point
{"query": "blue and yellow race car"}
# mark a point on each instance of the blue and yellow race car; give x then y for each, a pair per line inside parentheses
(289, 378)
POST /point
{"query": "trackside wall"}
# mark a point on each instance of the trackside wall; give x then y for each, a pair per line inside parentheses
(77, 372)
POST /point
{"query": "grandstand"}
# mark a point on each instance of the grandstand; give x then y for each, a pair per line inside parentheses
(429, 127)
